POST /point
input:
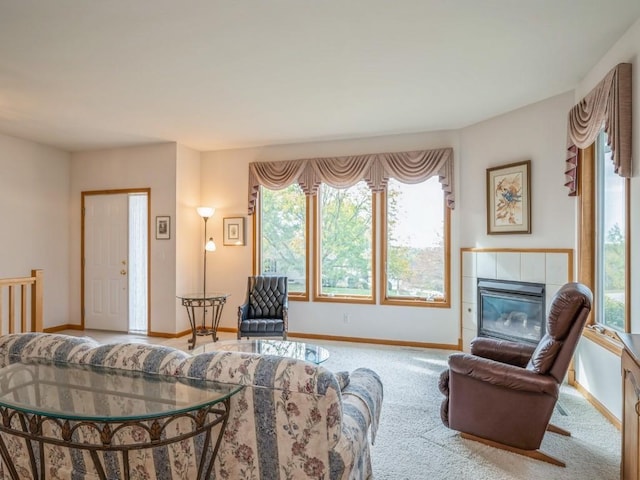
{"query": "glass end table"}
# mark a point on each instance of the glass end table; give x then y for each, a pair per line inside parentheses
(215, 302)
(90, 408)
(281, 348)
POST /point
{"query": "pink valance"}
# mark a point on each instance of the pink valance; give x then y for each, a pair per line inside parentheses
(608, 105)
(342, 172)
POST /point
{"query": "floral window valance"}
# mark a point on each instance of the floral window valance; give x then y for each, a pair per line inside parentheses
(342, 172)
(608, 105)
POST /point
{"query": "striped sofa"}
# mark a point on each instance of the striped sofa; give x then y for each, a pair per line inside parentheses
(293, 420)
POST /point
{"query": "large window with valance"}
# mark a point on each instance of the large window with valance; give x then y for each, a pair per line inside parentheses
(598, 171)
(407, 194)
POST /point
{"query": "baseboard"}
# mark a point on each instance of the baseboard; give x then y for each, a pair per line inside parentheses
(59, 328)
(376, 341)
(597, 405)
(169, 335)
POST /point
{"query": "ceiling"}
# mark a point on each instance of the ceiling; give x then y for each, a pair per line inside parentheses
(213, 74)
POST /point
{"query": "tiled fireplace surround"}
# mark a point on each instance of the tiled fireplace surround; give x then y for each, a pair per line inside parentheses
(553, 267)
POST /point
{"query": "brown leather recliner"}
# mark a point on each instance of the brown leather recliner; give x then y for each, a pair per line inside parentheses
(503, 393)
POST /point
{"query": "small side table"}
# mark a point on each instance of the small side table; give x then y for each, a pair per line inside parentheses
(213, 301)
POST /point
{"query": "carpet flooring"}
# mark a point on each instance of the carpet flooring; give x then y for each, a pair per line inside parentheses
(412, 443)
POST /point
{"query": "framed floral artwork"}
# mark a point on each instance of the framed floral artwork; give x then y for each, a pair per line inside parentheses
(509, 198)
(233, 231)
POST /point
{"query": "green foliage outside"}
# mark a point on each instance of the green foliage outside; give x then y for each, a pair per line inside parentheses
(346, 248)
(614, 278)
(614, 260)
(283, 234)
(346, 244)
(411, 271)
(614, 313)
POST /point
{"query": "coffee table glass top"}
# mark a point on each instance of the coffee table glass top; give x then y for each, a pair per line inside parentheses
(281, 348)
(91, 393)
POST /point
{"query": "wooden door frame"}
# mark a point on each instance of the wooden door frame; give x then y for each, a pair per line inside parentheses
(82, 248)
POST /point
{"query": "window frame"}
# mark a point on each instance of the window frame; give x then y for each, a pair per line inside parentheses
(317, 277)
(416, 301)
(587, 244)
(257, 249)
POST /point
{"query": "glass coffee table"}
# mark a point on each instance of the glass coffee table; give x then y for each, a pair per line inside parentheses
(281, 348)
(94, 409)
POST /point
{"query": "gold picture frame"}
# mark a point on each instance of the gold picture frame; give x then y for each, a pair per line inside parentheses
(509, 198)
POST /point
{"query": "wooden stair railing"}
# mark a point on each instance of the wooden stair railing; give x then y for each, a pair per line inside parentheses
(34, 295)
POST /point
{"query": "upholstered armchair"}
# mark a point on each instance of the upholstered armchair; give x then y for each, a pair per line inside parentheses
(503, 393)
(265, 311)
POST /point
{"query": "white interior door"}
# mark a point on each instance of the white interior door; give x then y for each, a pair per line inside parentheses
(106, 262)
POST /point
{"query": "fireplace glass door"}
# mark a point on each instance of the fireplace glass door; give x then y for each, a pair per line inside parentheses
(511, 310)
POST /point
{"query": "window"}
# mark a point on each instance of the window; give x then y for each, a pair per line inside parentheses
(344, 243)
(415, 244)
(282, 244)
(414, 248)
(610, 240)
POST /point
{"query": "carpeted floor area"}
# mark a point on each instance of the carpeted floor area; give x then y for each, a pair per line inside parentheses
(412, 443)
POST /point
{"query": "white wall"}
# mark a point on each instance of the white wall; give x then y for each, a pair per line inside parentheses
(154, 167)
(189, 230)
(538, 133)
(224, 186)
(599, 371)
(34, 208)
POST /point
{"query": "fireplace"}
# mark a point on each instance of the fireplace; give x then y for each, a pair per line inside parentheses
(511, 310)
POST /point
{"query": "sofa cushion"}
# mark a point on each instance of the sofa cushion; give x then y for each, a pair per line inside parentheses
(136, 356)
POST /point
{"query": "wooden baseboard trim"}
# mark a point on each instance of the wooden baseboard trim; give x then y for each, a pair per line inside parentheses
(597, 405)
(169, 335)
(59, 328)
(376, 341)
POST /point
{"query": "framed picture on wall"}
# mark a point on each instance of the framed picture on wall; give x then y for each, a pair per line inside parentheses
(163, 227)
(233, 233)
(509, 198)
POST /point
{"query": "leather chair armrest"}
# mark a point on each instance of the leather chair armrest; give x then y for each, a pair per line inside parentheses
(503, 351)
(502, 374)
(243, 311)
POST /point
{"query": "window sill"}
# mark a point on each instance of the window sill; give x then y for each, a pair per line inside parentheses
(604, 337)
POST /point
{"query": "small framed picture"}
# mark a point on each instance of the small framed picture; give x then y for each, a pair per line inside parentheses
(233, 233)
(163, 227)
(509, 198)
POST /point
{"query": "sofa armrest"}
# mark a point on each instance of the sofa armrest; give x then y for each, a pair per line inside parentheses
(362, 397)
(53, 347)
(502, 374)
(503, 351)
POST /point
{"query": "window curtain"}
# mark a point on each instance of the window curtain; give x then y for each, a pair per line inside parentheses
(608, 105)
(342, 172)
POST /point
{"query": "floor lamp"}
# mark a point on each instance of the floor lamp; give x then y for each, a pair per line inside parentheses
(209, 246)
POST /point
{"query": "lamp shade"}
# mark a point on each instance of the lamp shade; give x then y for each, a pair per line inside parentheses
(210, 246)
(205, 212)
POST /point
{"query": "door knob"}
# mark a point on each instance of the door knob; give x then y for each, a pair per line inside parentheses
(123, 272)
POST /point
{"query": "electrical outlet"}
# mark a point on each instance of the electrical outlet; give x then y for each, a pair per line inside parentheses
(346, 318)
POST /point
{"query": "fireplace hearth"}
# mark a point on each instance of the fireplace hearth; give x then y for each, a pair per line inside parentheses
(511, 310)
